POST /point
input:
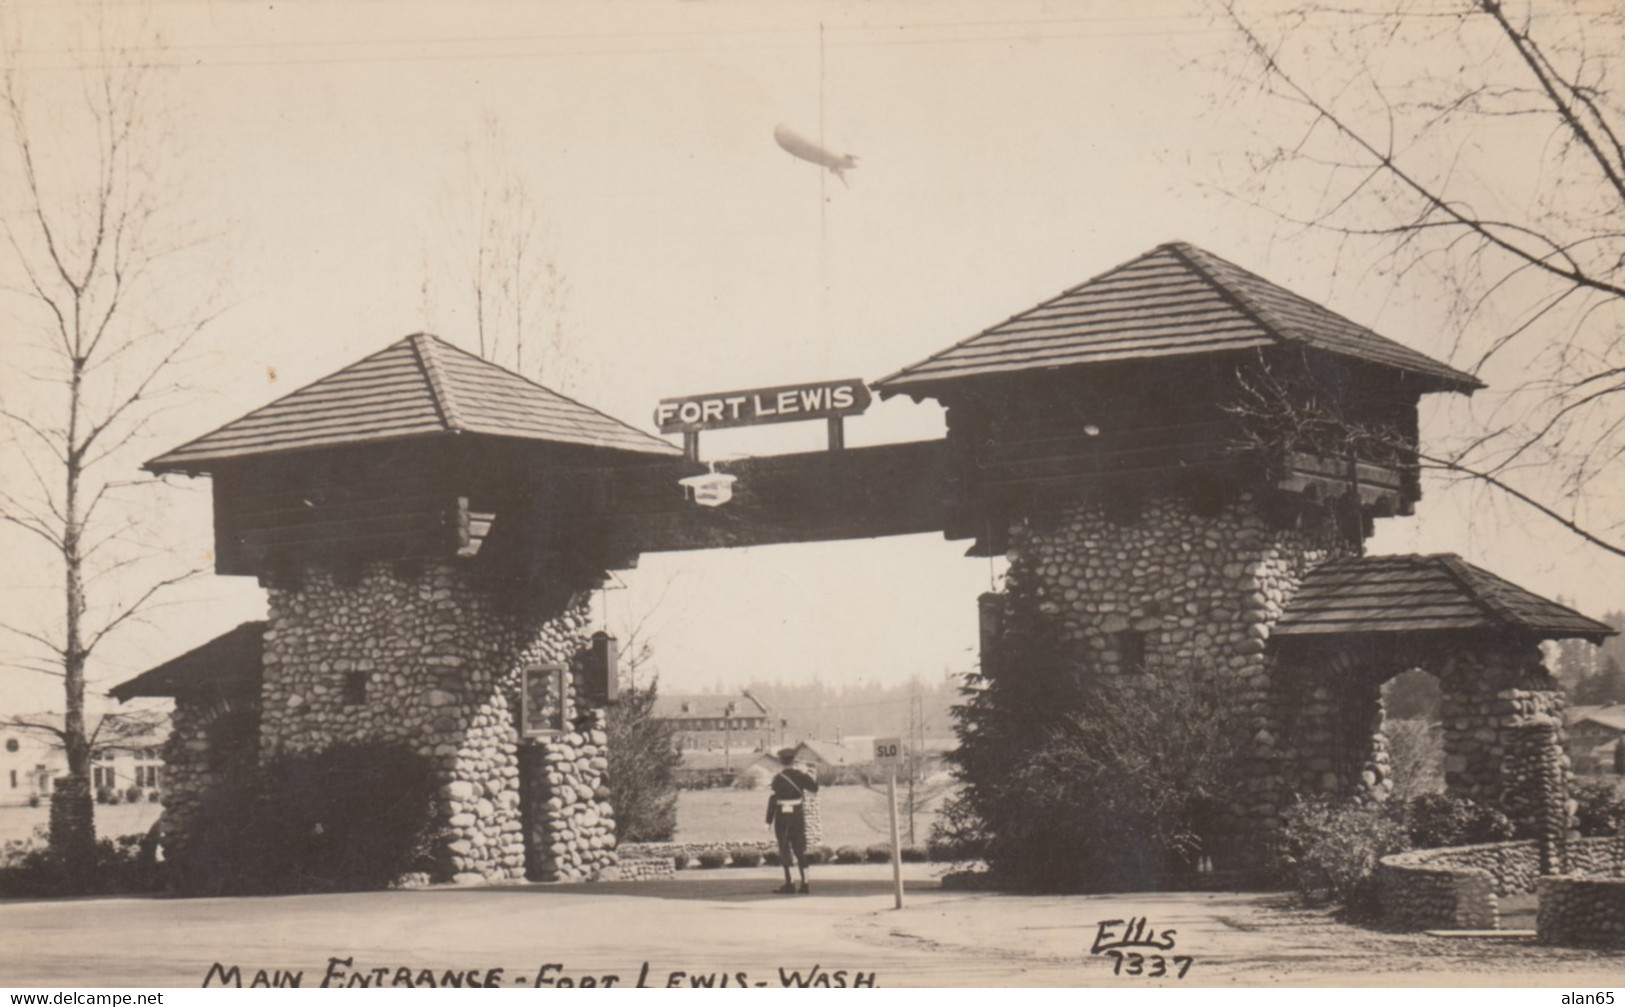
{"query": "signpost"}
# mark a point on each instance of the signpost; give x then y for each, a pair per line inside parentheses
(889, 756)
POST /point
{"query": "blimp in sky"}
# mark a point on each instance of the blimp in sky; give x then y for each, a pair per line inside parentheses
(797, 145)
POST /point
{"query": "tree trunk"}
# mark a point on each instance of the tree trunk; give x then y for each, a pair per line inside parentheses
(73, 830)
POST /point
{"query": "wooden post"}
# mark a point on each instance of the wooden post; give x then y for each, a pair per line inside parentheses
(691, 445)
(896, 852)
(837, 434)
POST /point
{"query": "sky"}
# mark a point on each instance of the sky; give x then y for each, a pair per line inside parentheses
(1005, 151)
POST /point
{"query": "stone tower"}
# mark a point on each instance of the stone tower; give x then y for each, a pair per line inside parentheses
(1170, 452)
(424, 572)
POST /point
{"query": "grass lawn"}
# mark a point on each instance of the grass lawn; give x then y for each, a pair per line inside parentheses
(852, 815)
(112, 820)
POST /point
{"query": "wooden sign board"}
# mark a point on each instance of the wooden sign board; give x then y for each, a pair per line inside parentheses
(752, 407)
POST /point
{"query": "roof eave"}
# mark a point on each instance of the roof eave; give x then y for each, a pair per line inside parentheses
(208, 464)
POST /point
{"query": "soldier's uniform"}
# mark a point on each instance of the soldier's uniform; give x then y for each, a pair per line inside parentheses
(787, 814)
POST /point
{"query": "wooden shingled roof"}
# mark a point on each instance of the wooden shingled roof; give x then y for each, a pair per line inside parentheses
(1175, 300)
(1407, 594)
(233, 661)
(420, 386)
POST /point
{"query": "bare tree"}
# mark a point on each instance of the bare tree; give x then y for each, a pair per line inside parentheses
(1473, 147)
(99, 328)
(490, 270)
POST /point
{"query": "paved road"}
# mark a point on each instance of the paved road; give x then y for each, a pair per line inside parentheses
(726, 922)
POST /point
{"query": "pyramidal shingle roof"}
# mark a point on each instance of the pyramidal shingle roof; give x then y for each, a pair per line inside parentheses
(420, 386)
(1411, 593)
(232, 660)
(1175, 300)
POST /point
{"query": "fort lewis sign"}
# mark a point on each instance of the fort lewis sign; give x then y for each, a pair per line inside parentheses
(784, 404)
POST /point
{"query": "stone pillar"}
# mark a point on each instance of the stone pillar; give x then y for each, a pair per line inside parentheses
(212, 743)
(1181, 591)
(1473, 710)
(570, 822)
(814, 814)
(1491, 692)
(1535, 789)
(428, 656)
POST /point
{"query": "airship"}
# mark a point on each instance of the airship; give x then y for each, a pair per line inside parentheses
(797, 145)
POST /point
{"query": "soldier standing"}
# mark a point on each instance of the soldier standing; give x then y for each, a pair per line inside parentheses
(787, 817)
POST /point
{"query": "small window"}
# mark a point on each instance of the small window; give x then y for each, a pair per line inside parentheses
(1131, 650)
(11, 745)
(13, 779)
(355, 688)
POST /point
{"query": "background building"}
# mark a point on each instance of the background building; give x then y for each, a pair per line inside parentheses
(715, 721)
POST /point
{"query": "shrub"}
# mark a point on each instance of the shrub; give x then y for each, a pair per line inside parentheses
(820, 855)
(349, 818)
(115, 797)
(33, 800)
(1059, 764)
(155, 796)
(103, 795)
(1327, 850)
(122, 866)
(1433, 820)
(747, 858)
(1600, 807)
(712, 859)
(679, 860)
(914, 855)
(849, 855)
(133, 794)
(879, 853)
(770, 858)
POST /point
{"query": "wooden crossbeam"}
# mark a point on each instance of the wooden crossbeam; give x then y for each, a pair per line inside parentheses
(891, 489)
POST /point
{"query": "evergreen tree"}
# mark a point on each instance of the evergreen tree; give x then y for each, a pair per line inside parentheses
(643, 763)
(1605, 687)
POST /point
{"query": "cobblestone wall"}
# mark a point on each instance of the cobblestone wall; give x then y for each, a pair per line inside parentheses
(1420, 892)
(1457, 887)
(1329, 708)
(1586, 912)
(425, 656)
(1597, 856)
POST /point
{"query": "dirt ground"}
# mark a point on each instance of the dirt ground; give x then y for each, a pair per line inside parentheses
(726, 923)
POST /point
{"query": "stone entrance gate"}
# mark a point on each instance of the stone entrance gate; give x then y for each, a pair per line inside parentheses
(1185, 458)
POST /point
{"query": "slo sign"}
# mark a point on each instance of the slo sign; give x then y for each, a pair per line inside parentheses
(819, 400)
(888, 751)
